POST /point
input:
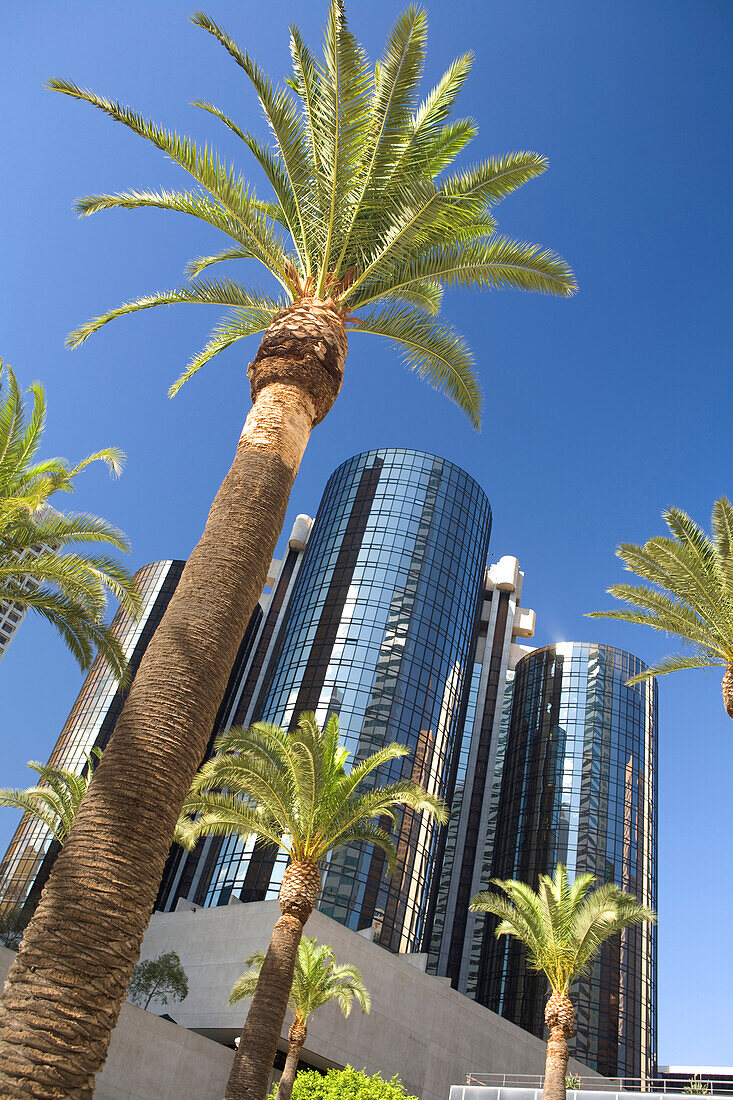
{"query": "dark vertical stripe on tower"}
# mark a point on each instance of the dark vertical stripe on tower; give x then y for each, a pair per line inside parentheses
(273, 611)
(478, 793)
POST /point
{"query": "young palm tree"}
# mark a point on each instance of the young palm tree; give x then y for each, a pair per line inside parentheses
(56, 800)
(693, 597)
(68, 589)
(291, 788)
(562, 926)
(317, 980)
(365, 226)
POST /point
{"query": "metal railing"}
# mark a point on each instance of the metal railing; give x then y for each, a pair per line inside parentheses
(697, 1085)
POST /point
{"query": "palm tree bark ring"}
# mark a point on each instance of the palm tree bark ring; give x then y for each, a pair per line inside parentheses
(727, 686)
(304, 346)
(560, 1019)
(299, 890)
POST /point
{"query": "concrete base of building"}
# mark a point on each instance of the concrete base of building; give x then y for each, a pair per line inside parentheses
(419, 1027)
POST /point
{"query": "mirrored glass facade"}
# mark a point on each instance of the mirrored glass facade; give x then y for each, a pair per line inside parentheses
(579, 787)
(378, 630)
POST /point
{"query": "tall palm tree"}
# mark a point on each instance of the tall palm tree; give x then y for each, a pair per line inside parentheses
(562, 926)
(693, 597)
(365, 226)
(55, 801)
(317, 980)
(66, 588)
(291, 789)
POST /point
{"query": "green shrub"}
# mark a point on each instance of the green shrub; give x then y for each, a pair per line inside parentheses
(346, 1084)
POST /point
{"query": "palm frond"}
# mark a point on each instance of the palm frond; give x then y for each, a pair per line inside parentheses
(435, 351)
(245, 321)
(293, 183)
(208, 292)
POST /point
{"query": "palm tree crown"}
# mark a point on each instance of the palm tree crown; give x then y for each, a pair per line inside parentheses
(693, 597)
(291, 788)
(68, 589)
(56, 800)
(563, 924)
(317, 979)
(363, 212)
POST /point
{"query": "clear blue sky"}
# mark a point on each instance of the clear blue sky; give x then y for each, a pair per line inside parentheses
(600, 411)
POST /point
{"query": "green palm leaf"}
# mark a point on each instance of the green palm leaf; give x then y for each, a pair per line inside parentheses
(55, 801)
(45, 563)
(291, 788)
(435, 351)
(693, 597)
(562, 925)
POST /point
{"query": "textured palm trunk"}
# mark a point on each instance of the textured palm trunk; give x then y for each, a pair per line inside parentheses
(296, 1038)
(253, 1061)
(728, 690)
(64, 991)
(560, 1019)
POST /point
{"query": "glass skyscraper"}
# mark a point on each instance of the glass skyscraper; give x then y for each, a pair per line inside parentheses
(379, 629)
(579, 788)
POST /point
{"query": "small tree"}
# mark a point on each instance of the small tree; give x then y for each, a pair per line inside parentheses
(158, 979)
(12, 927)
(563, 926)
(347, 1084)
(317, 980)
(290, 788)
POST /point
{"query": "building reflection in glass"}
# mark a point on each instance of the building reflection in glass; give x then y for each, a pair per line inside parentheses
(579, 787)
(378, 630)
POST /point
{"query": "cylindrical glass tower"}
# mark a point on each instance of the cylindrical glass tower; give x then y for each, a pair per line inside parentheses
(379, 631)
(579, 788)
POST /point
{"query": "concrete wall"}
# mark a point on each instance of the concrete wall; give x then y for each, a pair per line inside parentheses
(419, 1027)
(153, 1059)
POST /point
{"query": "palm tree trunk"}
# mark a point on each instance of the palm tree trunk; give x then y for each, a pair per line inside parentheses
(560, 1019)
(64, 991)
(728, 690)
(296, 1038)
(253, 1061)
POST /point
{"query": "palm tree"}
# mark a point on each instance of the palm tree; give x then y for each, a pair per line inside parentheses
(693, 597)
(365, 226)
(317, 980)
(291, 789)
(67, 589)
(562, 926)
(56, 800)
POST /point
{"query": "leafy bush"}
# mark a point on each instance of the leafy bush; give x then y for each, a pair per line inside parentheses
(346, 1084)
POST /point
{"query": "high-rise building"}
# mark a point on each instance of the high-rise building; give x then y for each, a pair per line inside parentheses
(386, 612)
(379, 628)
(579, 788)
(28, 860)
